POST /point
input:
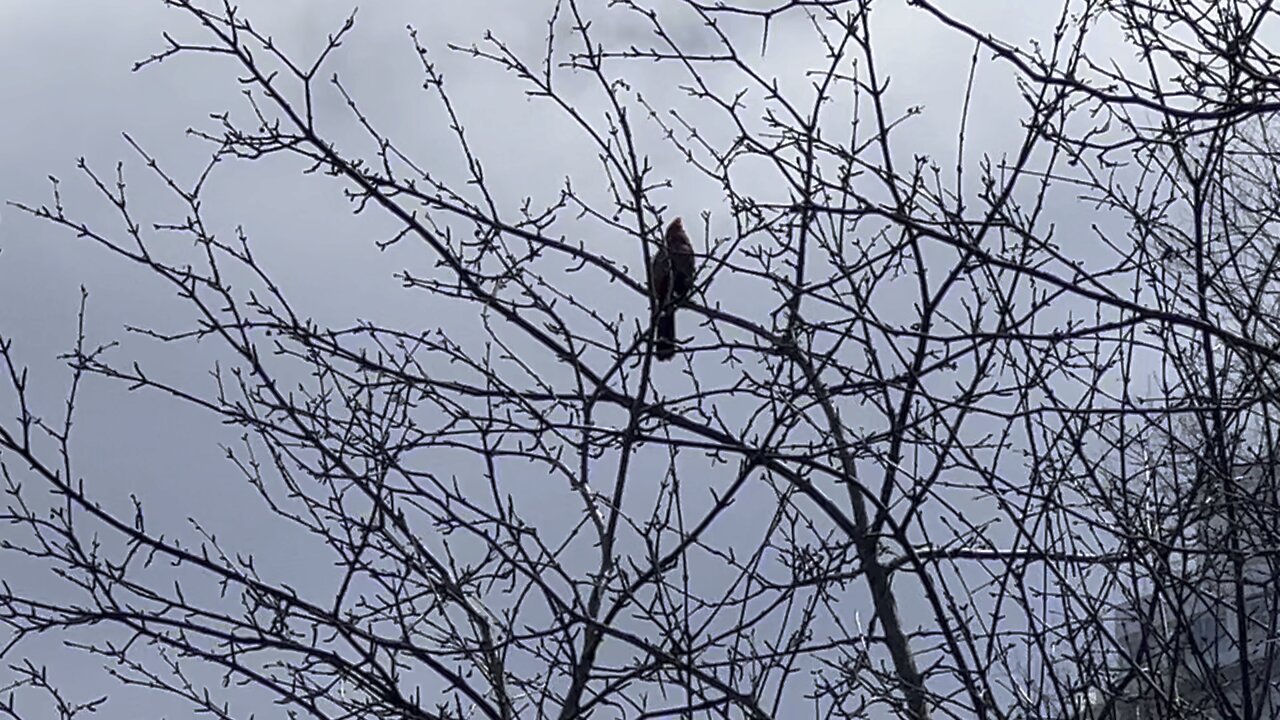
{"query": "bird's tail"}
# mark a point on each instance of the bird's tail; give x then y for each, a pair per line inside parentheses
(665, 344)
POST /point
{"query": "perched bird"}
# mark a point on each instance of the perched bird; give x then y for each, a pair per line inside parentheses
(672, 281)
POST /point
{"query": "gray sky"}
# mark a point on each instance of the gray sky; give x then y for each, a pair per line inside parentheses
(71, 93)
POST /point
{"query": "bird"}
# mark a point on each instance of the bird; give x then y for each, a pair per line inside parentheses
(671, 281)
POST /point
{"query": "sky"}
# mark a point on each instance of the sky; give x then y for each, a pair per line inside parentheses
(72, 93)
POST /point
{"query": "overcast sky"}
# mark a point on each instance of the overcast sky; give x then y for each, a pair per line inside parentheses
(70, 92)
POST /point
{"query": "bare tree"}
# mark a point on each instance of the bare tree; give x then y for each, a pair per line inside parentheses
(984, 439)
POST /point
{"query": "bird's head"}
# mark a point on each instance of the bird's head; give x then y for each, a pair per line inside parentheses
(675, 228)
